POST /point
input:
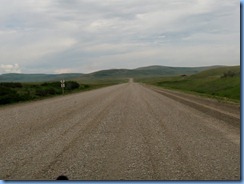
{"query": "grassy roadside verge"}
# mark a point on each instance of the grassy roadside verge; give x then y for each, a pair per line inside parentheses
(222, 84)
(11, 93)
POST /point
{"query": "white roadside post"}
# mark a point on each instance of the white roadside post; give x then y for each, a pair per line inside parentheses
(62, 85)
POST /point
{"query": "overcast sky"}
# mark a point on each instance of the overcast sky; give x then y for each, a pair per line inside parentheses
(60, 36)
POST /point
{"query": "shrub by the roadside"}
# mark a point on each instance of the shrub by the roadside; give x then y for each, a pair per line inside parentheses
(46, 92)
(71, 85)
(11, 84)
(8, 95)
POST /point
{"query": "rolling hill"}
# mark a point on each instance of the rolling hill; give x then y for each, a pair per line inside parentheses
(17, 77)
(221, 83)
(143, 72)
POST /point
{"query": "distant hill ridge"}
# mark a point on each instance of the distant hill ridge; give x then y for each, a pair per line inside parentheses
(18, 77)
(142, 72)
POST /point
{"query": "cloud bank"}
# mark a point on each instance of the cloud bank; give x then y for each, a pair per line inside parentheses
(10, 68)
(55, 36)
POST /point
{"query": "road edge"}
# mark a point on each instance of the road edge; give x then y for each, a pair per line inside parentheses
(227, 117)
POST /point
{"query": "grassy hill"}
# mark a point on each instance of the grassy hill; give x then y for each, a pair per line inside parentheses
(147, 72)
(222, 82)
(217, 72)
(114, 74)
(15, 77)
(170, 71)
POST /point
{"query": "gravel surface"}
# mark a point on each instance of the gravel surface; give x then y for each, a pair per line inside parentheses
(122, 132)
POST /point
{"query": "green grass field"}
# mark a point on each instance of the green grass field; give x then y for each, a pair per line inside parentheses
(221, 83)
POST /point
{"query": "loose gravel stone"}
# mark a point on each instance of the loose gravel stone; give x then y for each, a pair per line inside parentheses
(122, 132)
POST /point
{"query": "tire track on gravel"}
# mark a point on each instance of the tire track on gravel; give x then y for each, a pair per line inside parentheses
(124, 132)
(38, 153)
(48, 122)
(191, 141)
(104, 166)
(81, 136)
(233, 119)
(118, 165)
(227, 129)
(170, 145)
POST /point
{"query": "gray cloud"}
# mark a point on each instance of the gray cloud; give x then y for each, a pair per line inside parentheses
(51, 36)
(15, 68)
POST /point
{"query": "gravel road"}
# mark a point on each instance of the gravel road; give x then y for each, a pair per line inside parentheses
(122, 132)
